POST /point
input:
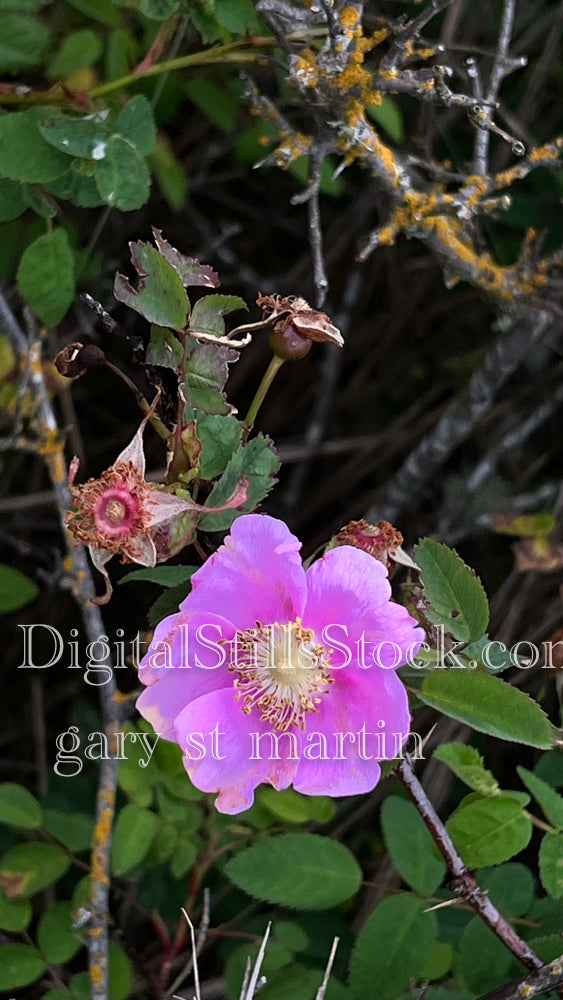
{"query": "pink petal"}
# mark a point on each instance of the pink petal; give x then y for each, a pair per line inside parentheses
(348, 595)
(358, 701)
(227, 767)
(256, 575)
(134, 452)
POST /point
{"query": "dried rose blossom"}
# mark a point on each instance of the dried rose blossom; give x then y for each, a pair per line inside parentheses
(380, 540)
(264, 652)
(121, 514)
(295, 325)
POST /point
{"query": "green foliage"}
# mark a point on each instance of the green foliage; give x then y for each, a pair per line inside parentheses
(298, 870)
(392, 947)
(19, 965)
(16, 590)
(46, 276)
(18, 807)
(410, 845)
(468, 765)
(455, 595)
(489, 705)
(551, 803)
(488, 831)
(551, 864)
(134, 830)
(27, 868)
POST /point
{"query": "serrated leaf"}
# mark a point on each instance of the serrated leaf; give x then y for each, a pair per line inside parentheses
(78, 51)
(164, 348)
(190, 270)
(85, 136)
(19, 965)
(220, 437)
(489, 831)
(456, 596)
(55, 936)
(24, 154)
(490, 654)
(18, 807)
(165, 576)
(391, 948)
(207, 314)
(28, 868)
(134, 830)
(15, 914)
(122, 176)
(467, 764)
(489, 705)
(257, 462)
(300, 870)
(551, 864)
(23, 41)
(410, 846)
(160, 295)
(46, 276)
(206, 372)
(136, 124)
(551, 803)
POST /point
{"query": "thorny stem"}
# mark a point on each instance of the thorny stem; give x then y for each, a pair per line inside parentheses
(49, 445)
(463, 883)
(269, 376)
(550, 977)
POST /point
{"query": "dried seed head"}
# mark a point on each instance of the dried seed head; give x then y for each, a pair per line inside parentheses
(76, 359)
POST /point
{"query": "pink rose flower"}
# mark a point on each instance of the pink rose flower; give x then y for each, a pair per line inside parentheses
(270, 673)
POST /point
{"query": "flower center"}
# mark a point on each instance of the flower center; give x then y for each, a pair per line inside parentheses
(280, 670)
(115, 511)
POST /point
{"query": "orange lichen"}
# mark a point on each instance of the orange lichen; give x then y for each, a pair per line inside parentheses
(352, 76)
(379, 36)
(425, 53)
(306, 69)
(349, 17)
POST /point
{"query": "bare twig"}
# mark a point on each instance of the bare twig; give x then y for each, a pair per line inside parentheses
(546, 979)
(498, 72)
(464, 885)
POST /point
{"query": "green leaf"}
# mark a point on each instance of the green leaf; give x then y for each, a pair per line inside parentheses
(206, 372)
(122, 176)
(19, 965)
(489, 705)
(12, 201)
(120, 973)
(85, 136)
(510, 887)
(24, 154)
(490, 654)
(76, 835)
(136, 124)
(208, 312)
(489, 831)
(169, 173)
(410, 845)
(15, 914)
(391, 948)
(23, 41)
(482, 961)
(456, 596)
(237, 16)
(389, 117)
(257, 462)
(219, 104)
(467, 764)
(550, 768)
(78, 51)
(164, 348)
(159, 10)
(551, 864)
(99, 10)
(439, 961)
(132, 836)
(300, 870)
(165, 576)
(547, 947)
(190, 269)
(287, 805)
(160, 296)
(168, 603)
(55, 936)
(28, 868)
(184, 857)
(220, 436)
(18, 807)
(551, 803)
(16, 590)
(46, 277)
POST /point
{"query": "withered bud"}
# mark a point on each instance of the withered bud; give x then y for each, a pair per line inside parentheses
(76, 359)
(379, 540)
(295, 325)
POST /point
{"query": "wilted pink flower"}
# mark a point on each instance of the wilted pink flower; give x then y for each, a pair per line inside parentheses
(121, 514)
(270, 673)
